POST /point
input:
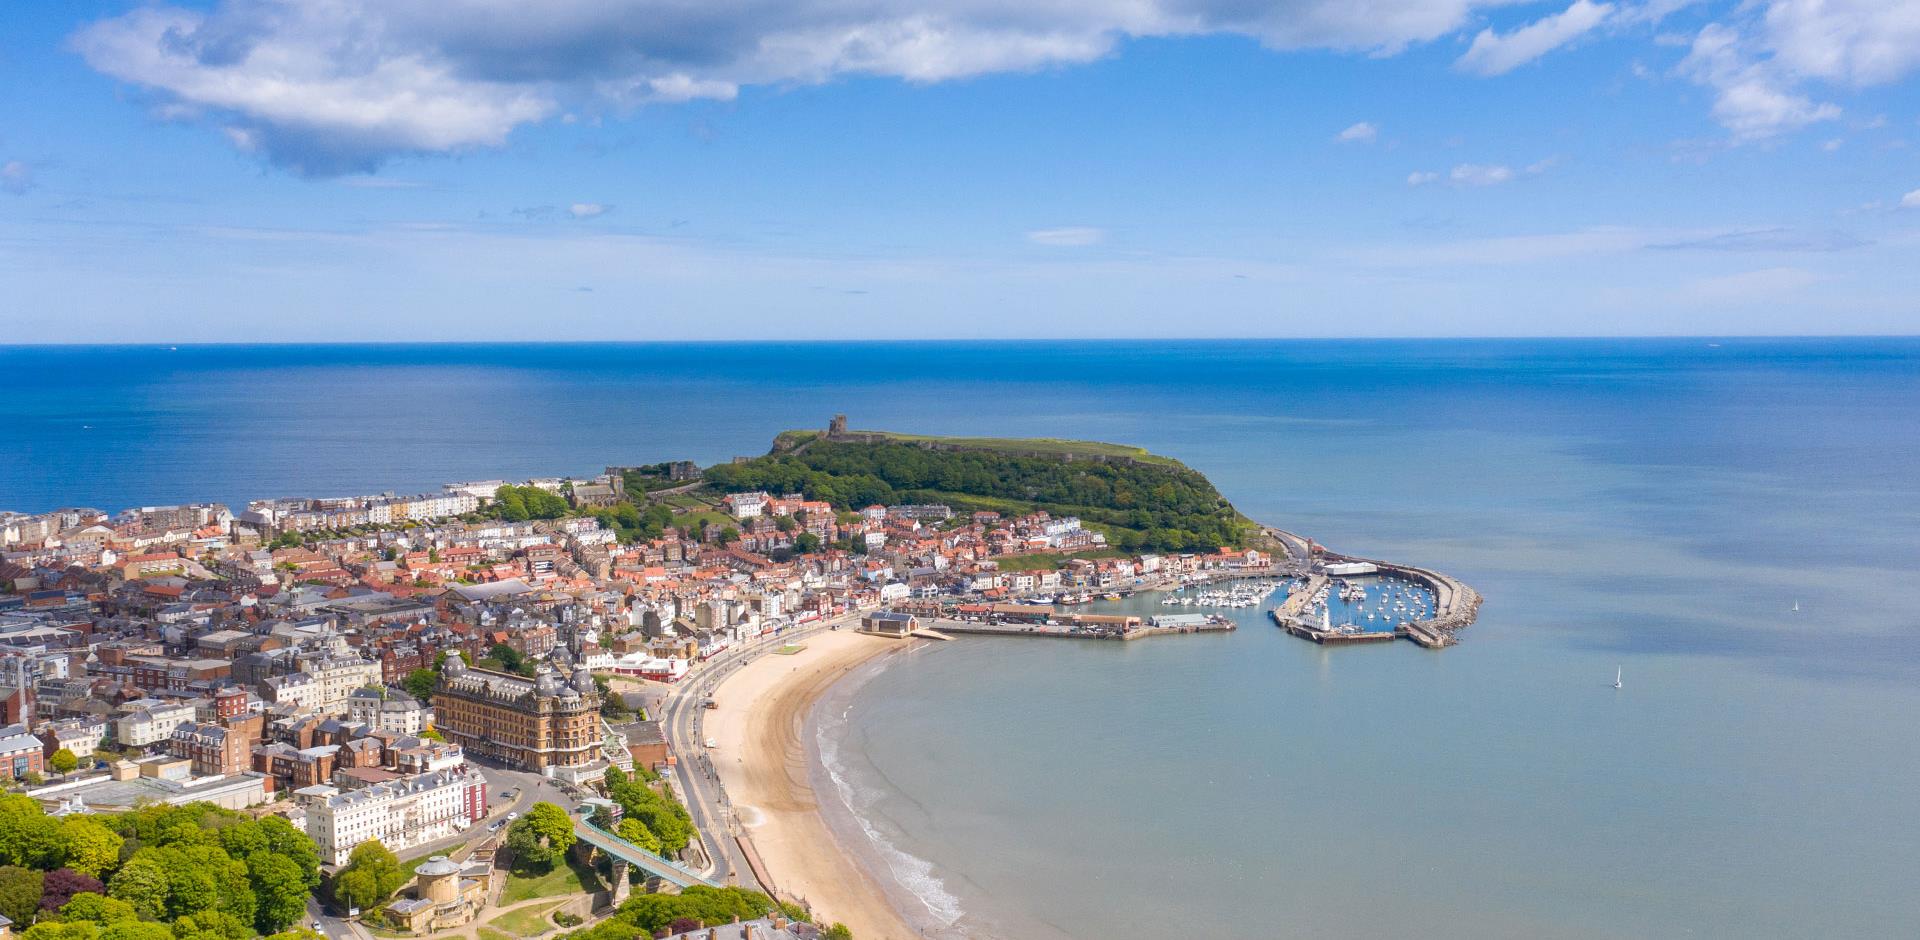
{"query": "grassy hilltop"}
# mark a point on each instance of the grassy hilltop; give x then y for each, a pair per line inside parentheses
(1141, 501)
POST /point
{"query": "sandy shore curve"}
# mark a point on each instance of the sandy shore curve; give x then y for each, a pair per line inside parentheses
(763, 761)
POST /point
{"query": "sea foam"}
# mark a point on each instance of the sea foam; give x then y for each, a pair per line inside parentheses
(911, 872)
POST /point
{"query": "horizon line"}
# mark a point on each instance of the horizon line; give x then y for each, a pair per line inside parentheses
(1488, 337)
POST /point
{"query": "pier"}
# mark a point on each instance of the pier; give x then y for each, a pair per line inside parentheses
(1306, 631)
(1071, 631)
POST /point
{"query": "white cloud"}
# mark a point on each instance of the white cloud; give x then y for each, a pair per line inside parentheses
(1761, 61)
(1070, 237)
(338, 86)
(1363, 132)
(1476, 175)
(1754, 99)
(1910, 200)
(1858, 42)
(587, 210)
(16, 177)
(1494, 54)
(329, 87)
(1479, 174)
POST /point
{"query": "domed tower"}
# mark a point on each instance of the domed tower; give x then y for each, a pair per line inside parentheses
(583, 681)
(439, 880)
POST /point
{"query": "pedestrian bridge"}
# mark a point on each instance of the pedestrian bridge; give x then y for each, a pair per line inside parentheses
(625, 853)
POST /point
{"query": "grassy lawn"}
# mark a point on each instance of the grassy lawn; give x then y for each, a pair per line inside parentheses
(694, 520)
(529, 921)
(561, 881)
(488, 933)
(1039, 446)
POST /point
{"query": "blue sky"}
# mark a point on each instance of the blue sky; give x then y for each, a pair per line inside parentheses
(632, 169)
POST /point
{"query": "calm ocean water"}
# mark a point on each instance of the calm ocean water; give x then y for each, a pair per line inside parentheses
(1653, 505)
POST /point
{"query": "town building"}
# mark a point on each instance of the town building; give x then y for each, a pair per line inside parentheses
(446, 895)
(543, 724)
(385, 708)
(400, 813)
(150, 721)
(20, 753)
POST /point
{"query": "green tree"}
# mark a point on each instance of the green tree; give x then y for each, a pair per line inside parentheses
(211, 925)
(63, 761)
(28, 837)
(98, 909)
(20, 893)
(141, 882)
(279, 889)
(68, 930)
(91, 848)
(371, 876)
(136, 930)
(838, 931)
(710, 906)
(283, 839)
(806, 543)
(636, 832)
(540, 838)
(509, 657)
(420, 683)
(660, 814)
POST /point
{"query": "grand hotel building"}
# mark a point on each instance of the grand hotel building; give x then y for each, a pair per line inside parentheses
(542, 724)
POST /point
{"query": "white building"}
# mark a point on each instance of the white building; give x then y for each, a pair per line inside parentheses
(150, 721)
(389, 709)
(324, 684)
(400, 813)
(746, 505)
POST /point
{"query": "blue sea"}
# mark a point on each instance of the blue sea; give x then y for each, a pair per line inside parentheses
(1652, 506)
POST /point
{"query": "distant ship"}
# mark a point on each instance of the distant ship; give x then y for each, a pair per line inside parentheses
(1616, 676)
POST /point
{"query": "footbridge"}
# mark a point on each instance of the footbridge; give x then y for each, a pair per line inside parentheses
(624, 854)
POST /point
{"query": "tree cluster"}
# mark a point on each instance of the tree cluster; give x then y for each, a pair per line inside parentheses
(663, 825)
(540, 838)
(649, 915)
(1144, 506)
(371, 876)
(194, 872)
(634, 523)
(521, 503)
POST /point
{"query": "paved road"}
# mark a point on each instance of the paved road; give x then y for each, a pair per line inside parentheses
(683, 718)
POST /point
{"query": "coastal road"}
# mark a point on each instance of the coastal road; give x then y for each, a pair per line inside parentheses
(683, 718)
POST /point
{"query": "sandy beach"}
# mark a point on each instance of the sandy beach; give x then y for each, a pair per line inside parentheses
(763, 762)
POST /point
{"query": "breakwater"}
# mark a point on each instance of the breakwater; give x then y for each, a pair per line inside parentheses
(1455, 604)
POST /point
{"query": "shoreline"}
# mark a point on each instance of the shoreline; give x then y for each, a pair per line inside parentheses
(766, 758)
